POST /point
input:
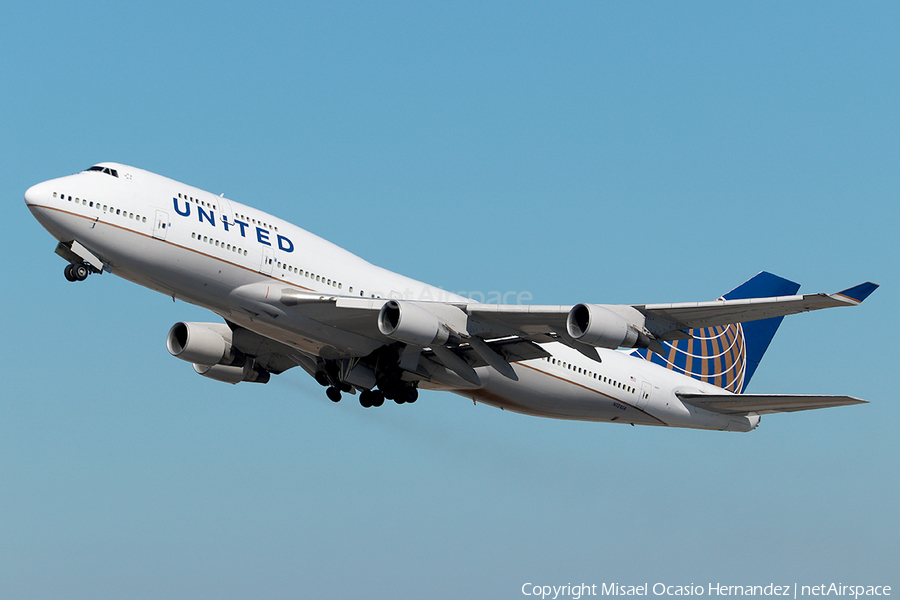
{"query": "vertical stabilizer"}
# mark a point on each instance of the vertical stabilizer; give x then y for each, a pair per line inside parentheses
(727, 356)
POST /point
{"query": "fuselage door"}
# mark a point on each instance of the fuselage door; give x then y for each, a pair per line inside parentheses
(161, 225)
(268, 261)
(644, 398)
(226, 215)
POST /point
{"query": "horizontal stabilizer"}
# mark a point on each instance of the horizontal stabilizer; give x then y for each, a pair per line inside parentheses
(761, 404)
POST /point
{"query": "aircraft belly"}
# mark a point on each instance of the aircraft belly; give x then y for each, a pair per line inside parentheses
(543, 394)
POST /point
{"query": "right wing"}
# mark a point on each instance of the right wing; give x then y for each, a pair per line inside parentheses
(695, 315)
(473, 334)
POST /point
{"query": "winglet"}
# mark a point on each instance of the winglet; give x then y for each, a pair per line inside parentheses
(860, 292)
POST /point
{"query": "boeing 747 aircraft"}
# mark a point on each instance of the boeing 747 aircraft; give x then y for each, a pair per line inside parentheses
(289, 298)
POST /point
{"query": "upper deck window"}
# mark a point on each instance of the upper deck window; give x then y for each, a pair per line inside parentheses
(106, 170)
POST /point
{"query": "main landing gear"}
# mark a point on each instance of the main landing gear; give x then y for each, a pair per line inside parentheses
(76, 272)
(405, 395)
(369, 398)
(391, 388)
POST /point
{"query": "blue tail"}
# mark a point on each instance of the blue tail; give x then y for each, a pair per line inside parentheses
(727, 356)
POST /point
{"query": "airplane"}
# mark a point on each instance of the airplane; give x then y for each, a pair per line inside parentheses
(289, 298)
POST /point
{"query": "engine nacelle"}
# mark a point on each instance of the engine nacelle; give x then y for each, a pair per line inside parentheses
(233, 373)
(410, 323)
(599, 326)
(201, 343)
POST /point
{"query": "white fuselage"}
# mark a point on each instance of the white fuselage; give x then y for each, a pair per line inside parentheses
(217, 253)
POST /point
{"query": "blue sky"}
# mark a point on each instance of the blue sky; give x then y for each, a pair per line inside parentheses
(612, 152)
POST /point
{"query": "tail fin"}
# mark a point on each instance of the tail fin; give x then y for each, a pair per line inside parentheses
(727, 356)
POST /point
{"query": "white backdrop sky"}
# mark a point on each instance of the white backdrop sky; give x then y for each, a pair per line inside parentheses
(604, 152)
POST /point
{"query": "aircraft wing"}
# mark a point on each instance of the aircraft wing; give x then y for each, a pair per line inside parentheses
(658, 320)
(695, 315)
(762, 404)
(473, 332)
(549, 323)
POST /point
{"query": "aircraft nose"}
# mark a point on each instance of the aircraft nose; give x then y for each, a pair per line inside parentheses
(35, 194)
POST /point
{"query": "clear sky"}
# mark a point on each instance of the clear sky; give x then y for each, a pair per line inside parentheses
(600, 152)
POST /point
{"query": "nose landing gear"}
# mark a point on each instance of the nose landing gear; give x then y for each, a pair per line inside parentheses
(76, 272)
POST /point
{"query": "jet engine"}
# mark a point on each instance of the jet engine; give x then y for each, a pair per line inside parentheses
(203, 343)
(412, 324)
(209, 347)
(598, 326)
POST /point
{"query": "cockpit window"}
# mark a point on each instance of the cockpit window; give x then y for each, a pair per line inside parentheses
(106, 170)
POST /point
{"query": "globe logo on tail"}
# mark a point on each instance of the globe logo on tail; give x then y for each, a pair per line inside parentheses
(716, 355)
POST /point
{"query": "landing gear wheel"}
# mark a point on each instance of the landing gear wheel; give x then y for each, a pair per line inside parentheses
(322, 379)
(80, 272)
(412, 394)
(333, 394)
(70, 276)
(370, 398)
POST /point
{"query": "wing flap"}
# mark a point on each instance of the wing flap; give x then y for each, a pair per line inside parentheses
(761, 404)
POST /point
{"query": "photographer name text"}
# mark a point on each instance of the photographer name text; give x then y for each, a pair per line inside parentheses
(789, 590)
